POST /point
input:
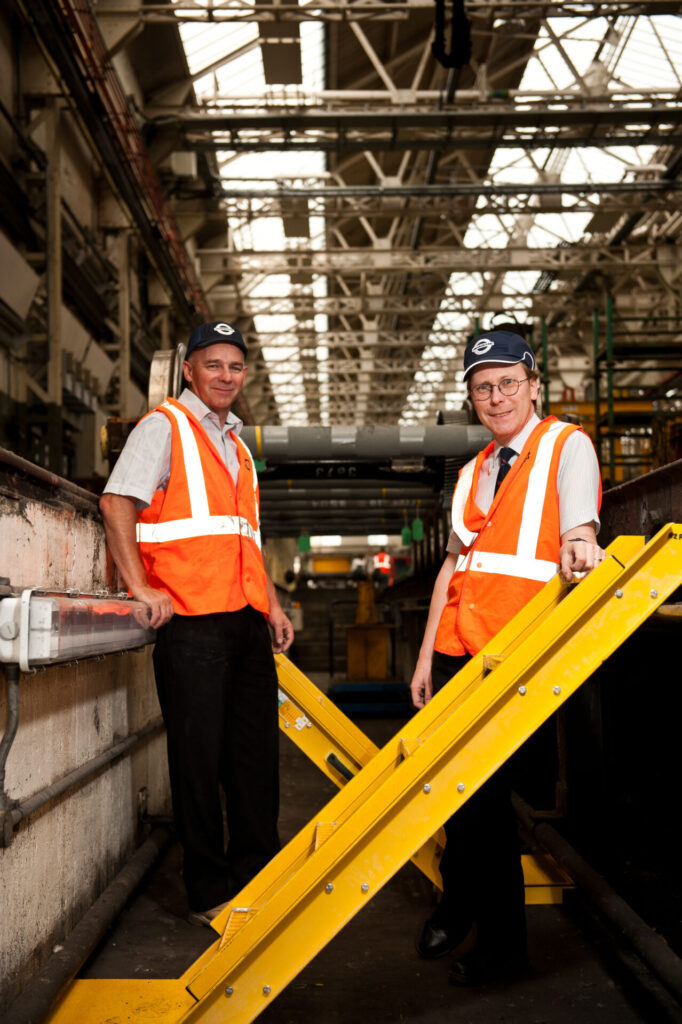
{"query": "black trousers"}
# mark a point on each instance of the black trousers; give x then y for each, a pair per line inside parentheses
(481, 865)
(217, 686)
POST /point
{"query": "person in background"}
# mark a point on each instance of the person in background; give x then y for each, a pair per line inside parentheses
(526, 507)
(181, 512)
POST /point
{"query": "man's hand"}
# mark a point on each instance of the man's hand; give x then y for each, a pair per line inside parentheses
(120, 517)
(577, 555)
(282, 629)
(421, 686)
(159, 604)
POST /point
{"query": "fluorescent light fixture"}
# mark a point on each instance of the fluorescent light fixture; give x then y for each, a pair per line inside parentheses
(40, 630)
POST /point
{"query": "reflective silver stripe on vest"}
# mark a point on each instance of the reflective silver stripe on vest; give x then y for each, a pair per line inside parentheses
(196, 485)
(255, 482)
(201, 523)
(531, 517)
(459, 500)
(208, 526)
(523, 564)
(512, 565)
(462, 562)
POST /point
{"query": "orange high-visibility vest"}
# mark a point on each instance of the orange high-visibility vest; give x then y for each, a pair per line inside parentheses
(509, 554)
(382, 561)
(200, 538)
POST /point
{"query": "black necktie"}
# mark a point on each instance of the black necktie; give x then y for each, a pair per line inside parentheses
(505, 455)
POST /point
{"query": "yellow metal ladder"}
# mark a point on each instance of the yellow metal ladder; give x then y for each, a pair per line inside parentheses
(404, 793)
(340, 749)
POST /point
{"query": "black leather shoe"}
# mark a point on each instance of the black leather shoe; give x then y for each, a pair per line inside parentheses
(434, 941)
(478, 968)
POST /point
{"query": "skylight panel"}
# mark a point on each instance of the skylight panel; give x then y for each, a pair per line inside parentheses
(653, 43)
(242, 75)
(573, 59)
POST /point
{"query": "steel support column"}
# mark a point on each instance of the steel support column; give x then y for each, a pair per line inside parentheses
(124, 403)
(54, 289)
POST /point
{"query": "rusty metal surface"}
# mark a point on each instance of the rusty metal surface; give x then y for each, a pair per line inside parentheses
(23, 479)
(643, 505)
(52, 533)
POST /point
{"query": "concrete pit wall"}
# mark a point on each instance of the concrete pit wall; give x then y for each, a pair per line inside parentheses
(63, 856)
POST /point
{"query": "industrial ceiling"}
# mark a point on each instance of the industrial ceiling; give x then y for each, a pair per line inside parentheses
(381, 206)
(360, 186)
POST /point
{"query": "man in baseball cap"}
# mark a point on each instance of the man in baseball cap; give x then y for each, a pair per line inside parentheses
(498, 348)
(182, 520)
(212, 333)
(525, 508)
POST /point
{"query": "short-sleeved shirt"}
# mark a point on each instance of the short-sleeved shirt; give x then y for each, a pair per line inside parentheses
(143, 466)
(577, 482)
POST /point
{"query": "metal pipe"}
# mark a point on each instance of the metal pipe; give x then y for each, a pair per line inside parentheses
(45, 476)
(540, 139)
(26, 807)
(609, 387)
(448, 190)
(545, 364)
(331, 505)
(310, 105)
(350, 443)
(596, 375)
(353, 487)
(34, 1004)
(288, 496)
(12, 681)
(341, 516)
(650, 946)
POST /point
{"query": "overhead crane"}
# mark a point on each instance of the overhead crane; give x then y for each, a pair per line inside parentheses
(399, 796)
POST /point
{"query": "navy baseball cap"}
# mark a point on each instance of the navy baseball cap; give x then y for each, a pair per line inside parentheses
(497, 347)
(213, 333)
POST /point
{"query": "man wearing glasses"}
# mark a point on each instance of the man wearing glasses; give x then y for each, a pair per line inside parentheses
(526, 507)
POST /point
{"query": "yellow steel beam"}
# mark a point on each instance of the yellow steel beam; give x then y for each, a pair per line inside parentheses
(339, 748)
(467, 731)
(314, 723)
(123, 1001)
(409, 788)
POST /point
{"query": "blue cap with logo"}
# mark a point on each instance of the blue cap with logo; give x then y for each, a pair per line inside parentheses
(497, 347)
(213, 333)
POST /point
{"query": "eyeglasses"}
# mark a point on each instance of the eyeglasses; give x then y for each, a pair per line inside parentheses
(507, 387)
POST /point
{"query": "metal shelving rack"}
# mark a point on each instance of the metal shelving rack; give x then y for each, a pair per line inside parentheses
(633, 414)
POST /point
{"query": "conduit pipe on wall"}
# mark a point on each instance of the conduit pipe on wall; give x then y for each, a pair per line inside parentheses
(653, 950)
(13, 812)
(12, 680)
(84, 772)
(34, 1004)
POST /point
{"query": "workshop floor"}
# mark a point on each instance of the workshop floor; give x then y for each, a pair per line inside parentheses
(370, 971)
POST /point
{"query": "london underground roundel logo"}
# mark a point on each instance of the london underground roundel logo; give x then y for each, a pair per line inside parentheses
(224, 329)
(482, 346)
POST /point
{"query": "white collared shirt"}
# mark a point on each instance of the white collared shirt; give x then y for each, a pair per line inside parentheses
(143, 466)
